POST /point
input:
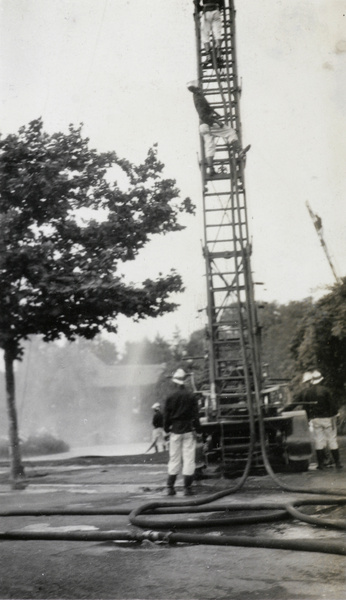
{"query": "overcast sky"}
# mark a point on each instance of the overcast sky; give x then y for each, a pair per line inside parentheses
(121, 67)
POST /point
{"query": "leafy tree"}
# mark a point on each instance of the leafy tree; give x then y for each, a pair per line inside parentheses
(197, 344)
(279, 323)
(104, 349)
(320, 342)
(147, 352)
(178, 345)
(58, 266)
(192, 357)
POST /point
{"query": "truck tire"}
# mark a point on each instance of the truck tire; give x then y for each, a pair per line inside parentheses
(299, 466)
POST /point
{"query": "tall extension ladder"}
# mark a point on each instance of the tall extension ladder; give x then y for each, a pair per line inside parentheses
(233, 332)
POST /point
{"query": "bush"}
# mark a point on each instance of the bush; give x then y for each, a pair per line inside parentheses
(39, 444)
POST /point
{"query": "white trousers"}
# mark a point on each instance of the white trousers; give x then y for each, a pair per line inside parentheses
(158, 436)
(324, 431)
(182, 453)
(212, 133)
(211, 23)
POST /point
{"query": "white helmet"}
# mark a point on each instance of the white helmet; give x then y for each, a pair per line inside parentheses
(307, 377)
(179, 377)
(316, 377)
(156, 405)
(193, 84)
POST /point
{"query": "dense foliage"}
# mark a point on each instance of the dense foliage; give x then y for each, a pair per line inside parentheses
(279, 324)
(320, 342)
(58, 261)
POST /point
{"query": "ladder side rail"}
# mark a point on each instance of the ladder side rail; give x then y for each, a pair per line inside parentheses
(232, 29)
(231, 75)
(246, 372)
(210, 298)
(210, 316)
(252, 322)
(243, 243)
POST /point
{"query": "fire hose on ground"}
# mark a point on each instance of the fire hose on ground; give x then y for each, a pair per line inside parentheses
(145, 517)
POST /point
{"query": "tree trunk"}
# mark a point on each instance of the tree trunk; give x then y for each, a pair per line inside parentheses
(16, 467)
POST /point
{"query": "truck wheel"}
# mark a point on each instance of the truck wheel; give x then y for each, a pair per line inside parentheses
(298, 466)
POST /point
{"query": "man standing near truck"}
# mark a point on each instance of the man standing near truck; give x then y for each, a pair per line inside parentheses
(321, 411)
(158, 436)
(181, 422)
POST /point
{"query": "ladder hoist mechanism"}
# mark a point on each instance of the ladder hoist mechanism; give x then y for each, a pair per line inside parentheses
(236, 406)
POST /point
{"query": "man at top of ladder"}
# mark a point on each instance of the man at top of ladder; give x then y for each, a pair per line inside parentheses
(211, 25)
(212, 127)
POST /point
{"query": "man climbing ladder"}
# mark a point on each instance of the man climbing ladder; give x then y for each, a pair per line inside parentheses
(211, 25)
(212, 127)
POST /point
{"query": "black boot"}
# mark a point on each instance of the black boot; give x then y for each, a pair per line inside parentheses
(320, 459)
(208, 60)
(188, 479)
(219, 60)
(336, 458)
(210, 171)
(170, 485)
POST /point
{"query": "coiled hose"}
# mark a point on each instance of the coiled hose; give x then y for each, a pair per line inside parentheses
(157, 527)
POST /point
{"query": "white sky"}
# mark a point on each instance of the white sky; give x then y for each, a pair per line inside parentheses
(121, 67)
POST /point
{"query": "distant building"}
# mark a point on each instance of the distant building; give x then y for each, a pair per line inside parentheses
(84, 402)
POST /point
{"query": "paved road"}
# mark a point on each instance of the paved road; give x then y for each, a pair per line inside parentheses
(119, 570)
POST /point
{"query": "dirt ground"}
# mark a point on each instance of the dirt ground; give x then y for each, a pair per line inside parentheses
(62, 569)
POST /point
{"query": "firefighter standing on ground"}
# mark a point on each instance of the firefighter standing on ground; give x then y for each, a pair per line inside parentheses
(181, 421)
(158, 436)
(321, 411)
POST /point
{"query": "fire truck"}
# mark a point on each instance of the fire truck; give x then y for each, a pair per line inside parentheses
(241, 417)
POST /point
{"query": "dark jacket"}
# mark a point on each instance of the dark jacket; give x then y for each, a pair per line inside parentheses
(209, 5)
(181, 412)
(205, 112)
(157, 419)
(317, 401)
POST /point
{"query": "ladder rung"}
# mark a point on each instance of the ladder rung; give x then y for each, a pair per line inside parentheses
(227, 343)
(222, 274)
(225, 224)
(216, 194)
(233, 323)
(229, 378)
(219, 225)
(226, 254)
(218, 176)
(223, 209)
(226, 289)
(236, 447)
(221, 307)
(220, 241)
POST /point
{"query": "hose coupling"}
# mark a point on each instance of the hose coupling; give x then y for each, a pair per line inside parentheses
(152, 536)
(167, 537)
